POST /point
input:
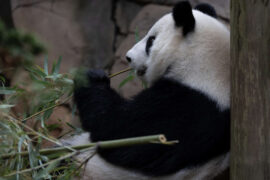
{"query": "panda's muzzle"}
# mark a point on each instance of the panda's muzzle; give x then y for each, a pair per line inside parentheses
(141, 71)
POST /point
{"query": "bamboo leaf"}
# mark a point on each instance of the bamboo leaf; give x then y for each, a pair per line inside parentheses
(137, 37)
(2, 79)
(144, 84)
(68, 81)
(33, 161)
(38, 71)
(56, 66)
(52, 127)
(77, 130)
(6, 91)
(127, 79)
(19, 164)
(73, 111)
(46, 65)
(5, 106)
(44, 158)
(53, 67)
(47, 114)
(34, 77)
(45, 173)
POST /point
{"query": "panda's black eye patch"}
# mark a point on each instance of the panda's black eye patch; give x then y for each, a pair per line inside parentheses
(149, 44)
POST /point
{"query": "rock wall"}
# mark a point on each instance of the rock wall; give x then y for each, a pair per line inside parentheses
(95, 33)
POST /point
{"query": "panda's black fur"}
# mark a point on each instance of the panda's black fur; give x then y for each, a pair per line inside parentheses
(182, 14)
(205, 8)
(167, 107)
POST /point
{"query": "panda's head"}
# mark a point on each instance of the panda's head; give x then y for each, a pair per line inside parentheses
(190, 46)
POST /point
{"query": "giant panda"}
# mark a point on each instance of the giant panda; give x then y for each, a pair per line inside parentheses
(184, 58)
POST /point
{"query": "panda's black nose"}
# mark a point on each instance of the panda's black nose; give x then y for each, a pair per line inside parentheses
(128, 59)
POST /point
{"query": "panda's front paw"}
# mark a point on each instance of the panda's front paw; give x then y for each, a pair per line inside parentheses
(89, 78)
(97, 76)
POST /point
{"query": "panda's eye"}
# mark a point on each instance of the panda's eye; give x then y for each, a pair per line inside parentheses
(149, 44)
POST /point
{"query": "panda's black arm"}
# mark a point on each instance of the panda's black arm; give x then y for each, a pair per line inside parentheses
(97, 104)
(107, 115)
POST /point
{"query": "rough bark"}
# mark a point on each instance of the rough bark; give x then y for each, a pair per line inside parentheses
(250, 88)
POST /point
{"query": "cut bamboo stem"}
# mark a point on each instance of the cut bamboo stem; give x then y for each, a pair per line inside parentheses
(103, 144)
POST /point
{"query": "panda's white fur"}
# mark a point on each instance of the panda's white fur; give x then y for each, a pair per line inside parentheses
(199, 60)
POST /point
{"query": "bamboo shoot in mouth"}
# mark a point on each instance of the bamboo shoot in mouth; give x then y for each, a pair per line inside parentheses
(120, 72)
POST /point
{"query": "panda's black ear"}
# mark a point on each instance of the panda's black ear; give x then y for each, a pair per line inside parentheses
(183, 17)
(206, 9)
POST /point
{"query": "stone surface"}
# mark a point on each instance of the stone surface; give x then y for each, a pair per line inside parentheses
(56, 30)
(118, 41)
(147, 17)
(222, 6)
(127, 43)
(96, 21)
(124, 14)
(80, 32)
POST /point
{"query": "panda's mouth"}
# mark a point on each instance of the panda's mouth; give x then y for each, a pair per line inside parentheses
(141, 71)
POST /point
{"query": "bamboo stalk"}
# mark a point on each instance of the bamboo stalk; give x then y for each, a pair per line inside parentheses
(120, 72)
(103, 144)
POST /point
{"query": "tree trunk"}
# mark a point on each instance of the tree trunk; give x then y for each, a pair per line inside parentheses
(250, 88)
